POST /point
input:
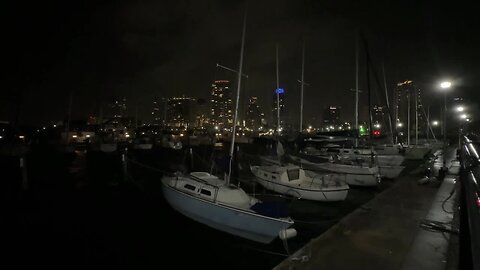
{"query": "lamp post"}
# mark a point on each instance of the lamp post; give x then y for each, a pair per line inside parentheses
(463, 117)
(445, 85)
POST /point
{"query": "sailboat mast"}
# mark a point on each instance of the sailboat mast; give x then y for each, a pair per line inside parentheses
(239, 80)
(277, 91)
(388, 103)
(416, 117)
(428, 123)
(408, 118)
(356, 88)
(301, 91)
(69, 117)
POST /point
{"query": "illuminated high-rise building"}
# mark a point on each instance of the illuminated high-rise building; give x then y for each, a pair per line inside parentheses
(255, 117)
(331, 117)
(202, 113)
(407, 95)
(180, 112)
(117, 110)
(221, 102)
(280, 95)
(156, 113)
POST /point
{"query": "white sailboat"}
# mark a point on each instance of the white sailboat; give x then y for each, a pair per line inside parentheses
(357, 172)
(390, 166)
(294, 181)
(215, 202)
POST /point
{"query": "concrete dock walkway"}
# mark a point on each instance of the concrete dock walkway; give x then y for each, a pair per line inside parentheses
(388, 232)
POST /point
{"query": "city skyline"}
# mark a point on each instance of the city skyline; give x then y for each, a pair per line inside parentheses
(147, 49)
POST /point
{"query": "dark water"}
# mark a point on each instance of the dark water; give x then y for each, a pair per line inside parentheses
(82, 211)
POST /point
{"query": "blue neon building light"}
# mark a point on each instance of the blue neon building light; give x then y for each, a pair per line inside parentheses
(279, 91)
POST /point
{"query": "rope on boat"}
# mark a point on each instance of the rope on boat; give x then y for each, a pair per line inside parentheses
(268, 252)
(315, 221)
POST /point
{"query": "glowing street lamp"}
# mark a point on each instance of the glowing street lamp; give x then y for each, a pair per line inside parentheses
(460, 109)
(435, 123)
(445, 84)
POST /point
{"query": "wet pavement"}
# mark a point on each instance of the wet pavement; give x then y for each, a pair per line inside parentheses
(404, 227)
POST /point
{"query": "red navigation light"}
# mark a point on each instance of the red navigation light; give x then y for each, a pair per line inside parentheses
(376, 132)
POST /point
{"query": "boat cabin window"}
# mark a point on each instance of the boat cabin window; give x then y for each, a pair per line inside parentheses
(190, 187)
(274, 177)
(293, 174)
(206, 192)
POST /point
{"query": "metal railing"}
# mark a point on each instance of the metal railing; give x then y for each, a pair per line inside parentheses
(470, 203)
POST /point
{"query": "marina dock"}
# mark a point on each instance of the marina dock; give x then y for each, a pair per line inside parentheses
(407, 226)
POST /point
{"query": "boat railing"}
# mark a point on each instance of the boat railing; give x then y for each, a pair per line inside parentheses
(469, 204)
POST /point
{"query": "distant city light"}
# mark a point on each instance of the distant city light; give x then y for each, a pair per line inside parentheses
(460, 109)
(399, 125)
(362, 130)
(279, 91)
(463, 116)
(435, 123)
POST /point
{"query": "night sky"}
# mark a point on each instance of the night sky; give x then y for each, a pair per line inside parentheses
(99, 50)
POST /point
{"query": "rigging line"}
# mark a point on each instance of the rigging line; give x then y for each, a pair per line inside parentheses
(267, 251)
(428, 123)
(375, 75)
(387, 100)
(285, 246)
(368, 87)
(202, 160)
(315, 221)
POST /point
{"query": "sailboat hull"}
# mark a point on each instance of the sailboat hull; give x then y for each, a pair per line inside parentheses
(243, 223)
(309, 194)
(354, 175)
